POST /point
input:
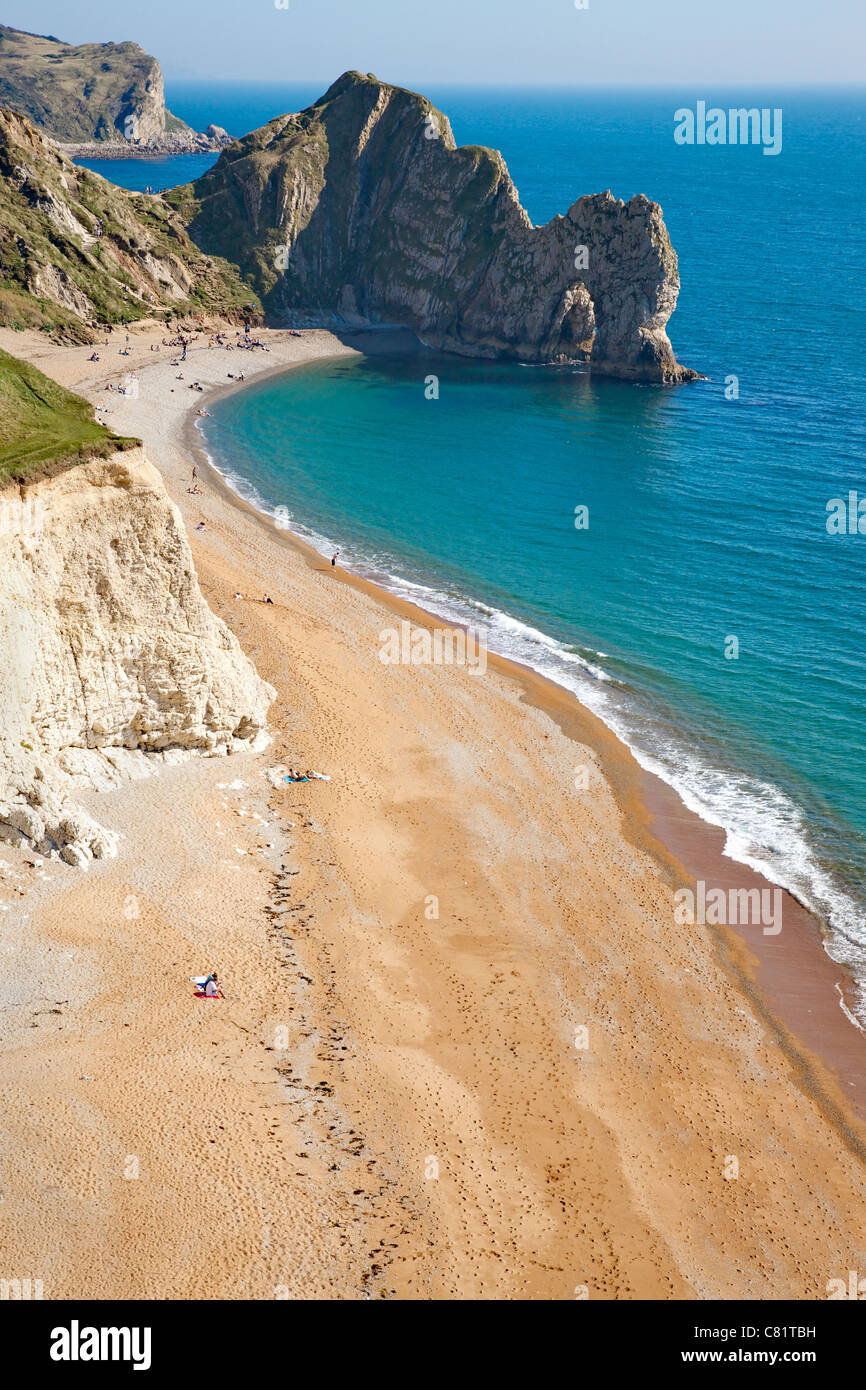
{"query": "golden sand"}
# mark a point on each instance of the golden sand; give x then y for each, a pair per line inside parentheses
(465, 1050)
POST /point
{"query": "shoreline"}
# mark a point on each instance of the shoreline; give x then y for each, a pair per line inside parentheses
(556, 910)
(115, 150)
(854, 993)
(796, 990)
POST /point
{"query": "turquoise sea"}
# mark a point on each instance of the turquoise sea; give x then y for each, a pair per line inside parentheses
(707, 515)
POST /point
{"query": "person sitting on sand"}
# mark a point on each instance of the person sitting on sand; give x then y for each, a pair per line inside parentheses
(267, 599)
(212, 987)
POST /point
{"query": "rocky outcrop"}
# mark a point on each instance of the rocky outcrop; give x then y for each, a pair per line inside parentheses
(362, 208)
(112, 661)
(171, 143)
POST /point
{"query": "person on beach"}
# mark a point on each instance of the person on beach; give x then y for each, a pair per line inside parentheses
(334, 559)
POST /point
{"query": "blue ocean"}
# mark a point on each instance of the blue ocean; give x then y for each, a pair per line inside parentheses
(705, 611)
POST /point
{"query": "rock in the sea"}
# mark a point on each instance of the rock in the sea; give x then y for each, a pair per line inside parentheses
(363, 208)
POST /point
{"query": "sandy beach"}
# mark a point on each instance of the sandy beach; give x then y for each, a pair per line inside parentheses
(466, 1051)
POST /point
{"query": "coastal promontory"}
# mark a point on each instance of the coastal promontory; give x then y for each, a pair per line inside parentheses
(110, 96)
(362, 208)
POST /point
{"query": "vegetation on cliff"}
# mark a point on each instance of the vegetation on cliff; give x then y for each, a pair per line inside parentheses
(106, 92)
(43, 426)
(76, 250)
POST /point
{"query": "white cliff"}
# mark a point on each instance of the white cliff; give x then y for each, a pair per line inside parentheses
(110, 659)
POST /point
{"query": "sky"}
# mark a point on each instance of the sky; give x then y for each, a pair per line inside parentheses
(762, 43)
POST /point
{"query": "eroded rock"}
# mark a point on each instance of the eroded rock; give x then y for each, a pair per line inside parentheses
(112, 662)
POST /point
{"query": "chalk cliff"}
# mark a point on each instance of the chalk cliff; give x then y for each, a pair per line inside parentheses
(112, 662)
(363, 208)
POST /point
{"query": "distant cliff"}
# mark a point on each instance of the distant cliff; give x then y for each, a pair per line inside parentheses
(363, 208)
(93, 93)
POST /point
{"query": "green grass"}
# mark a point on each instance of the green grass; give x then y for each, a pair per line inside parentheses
(43, 426)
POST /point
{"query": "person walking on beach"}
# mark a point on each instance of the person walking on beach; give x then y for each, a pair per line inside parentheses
(334, 559)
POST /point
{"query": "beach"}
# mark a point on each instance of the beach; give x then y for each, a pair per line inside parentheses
(466, 1050)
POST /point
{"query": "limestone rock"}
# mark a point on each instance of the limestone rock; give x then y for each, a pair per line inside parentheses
(362, 208)
(112, 662)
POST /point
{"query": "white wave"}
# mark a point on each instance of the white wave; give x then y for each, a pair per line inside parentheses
(764, 828)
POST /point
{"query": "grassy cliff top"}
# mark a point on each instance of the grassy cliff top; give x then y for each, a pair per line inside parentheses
(81, 92)
(43, 426)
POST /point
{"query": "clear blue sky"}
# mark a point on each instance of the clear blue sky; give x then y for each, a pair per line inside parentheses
(495, 42)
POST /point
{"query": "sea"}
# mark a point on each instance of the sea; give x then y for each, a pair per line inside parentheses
(662, 552)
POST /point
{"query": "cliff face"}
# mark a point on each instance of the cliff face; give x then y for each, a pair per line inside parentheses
(362, 207)
(359, 209)
(75, 248)
(106, 92)
(112, 660)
